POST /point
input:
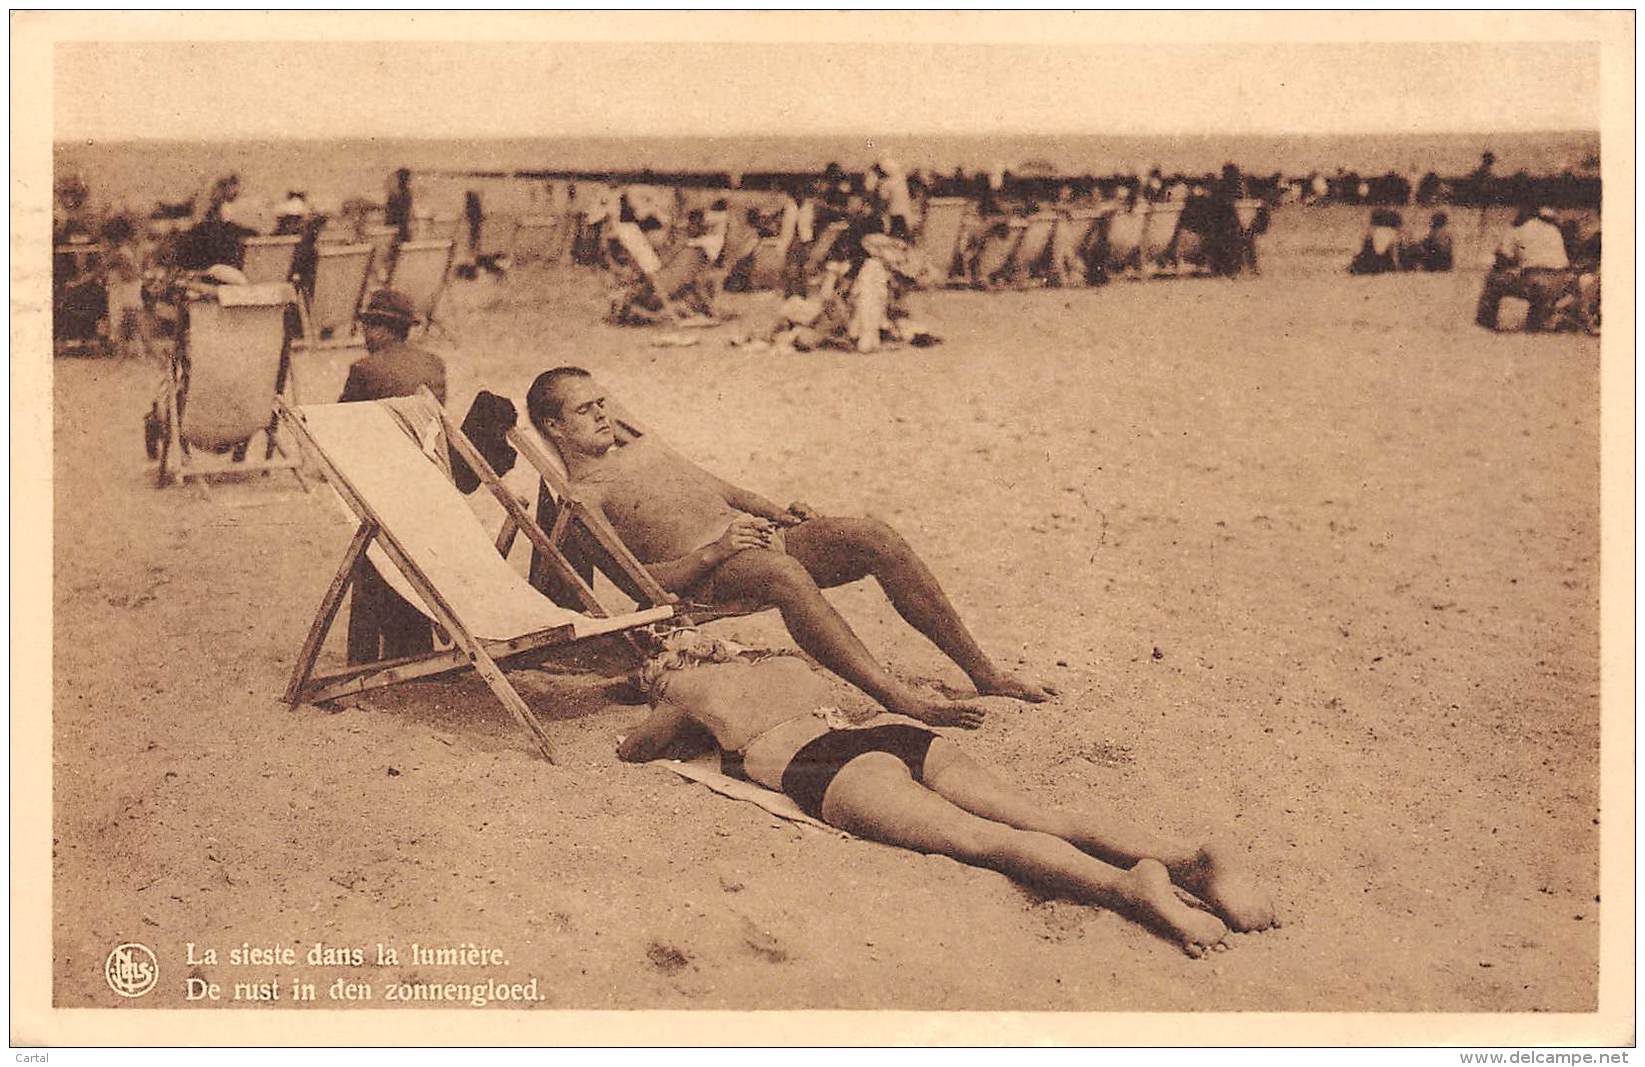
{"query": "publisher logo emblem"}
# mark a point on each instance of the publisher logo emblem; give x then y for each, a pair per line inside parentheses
(131, 969)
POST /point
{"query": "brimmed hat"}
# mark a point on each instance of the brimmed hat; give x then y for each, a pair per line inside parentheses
(390, 306)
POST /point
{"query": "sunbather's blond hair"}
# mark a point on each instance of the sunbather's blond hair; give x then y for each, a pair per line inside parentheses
(681, 647)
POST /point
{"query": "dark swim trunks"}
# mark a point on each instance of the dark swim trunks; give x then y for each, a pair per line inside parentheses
(814, 766)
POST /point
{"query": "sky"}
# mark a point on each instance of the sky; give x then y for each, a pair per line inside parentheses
(226, 89)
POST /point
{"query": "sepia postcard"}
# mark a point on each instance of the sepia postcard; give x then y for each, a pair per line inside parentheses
(727, 528)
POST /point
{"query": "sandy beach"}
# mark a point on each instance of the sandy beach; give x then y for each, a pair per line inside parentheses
(1313, 560)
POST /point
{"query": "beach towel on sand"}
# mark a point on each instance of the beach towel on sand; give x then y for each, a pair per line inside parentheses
(706, 771)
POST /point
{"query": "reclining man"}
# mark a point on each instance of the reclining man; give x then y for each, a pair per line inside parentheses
(709, 540)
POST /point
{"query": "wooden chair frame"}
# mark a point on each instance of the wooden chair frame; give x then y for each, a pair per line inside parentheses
(483, 655)
(174, 465)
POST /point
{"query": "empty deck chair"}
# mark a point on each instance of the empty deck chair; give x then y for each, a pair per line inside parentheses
(220, 389)
(1028, 257)
(421, 269)
(1071, 245)
(822, 246)
(940, 232)
(1159, 244)
(79, 298)
(496, 234)
(341, 272)
(765, 270)
(1123, 247)
(536, 239)
(381, 239)
(268, 259)
(997, 249)
(426, 537)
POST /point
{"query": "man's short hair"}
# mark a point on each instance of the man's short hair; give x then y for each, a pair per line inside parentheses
(543, 401)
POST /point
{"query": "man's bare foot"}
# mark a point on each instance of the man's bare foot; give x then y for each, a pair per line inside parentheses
(937, 711)
(1148, 890)
(1217, 877)
(1006, 684)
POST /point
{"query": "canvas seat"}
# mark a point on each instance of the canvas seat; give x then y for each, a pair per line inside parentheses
(221, 386)
(939, 239)
(341, 275)
(421, 270)
(268, 259)
(430, 544)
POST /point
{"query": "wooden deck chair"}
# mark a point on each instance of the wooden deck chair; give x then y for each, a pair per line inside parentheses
(765, 271)
(1159, 245)
(382, 240)
(496, 234)
(74, 321)
(940, 232)
(584, 539)
(742, 240)
(427, 537)
(535, 239)
(341, 273)
(1071, 243)
(421, 270)
(1124, 239)
(997, 251)
(1031, 251)
(268, 259)
(565, 233)
(223, 382)
(820, 247)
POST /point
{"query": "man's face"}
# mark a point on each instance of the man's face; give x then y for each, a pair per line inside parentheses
(378, 336)
(582, 426)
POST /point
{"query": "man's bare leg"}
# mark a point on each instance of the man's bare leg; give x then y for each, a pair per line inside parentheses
(1210, 871)
(874, 797)
(774, 578)
(837, 550)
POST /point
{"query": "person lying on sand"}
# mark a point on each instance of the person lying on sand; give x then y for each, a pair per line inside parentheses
(709, 540)
(891, 781)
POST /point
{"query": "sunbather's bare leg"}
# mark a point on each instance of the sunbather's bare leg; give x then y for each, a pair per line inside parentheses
(770, 577)
(836, 550)
(1211, 871)
(875, 797)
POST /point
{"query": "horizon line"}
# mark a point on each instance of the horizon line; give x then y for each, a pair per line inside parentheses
(790, 135)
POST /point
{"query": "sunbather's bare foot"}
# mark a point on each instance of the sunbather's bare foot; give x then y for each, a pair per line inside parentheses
(1148, 890)
(1218, 877)
(1006, 684)
(937, 711)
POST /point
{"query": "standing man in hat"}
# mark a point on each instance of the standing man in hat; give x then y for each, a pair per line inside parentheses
(381, 623)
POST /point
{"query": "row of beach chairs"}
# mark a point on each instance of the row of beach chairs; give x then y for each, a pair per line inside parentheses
(344, 274)
(1146, 239)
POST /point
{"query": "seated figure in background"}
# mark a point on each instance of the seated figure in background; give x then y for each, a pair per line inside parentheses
(1434, 252)
(1532, 265)
(1379, 252)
